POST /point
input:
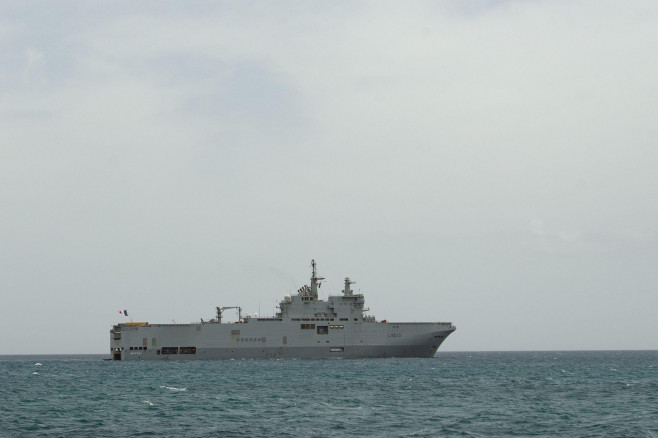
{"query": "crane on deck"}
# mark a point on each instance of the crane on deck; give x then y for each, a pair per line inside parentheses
(220, 310)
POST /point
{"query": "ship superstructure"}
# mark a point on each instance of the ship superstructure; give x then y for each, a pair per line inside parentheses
(305, 327)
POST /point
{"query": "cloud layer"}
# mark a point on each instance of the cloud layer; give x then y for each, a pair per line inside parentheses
(492, 164)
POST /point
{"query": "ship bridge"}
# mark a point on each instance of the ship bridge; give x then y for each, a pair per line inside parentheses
(306, 305)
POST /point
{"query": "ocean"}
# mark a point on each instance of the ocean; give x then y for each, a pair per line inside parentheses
(492, 394)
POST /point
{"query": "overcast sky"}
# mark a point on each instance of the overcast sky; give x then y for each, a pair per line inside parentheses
(488, 163)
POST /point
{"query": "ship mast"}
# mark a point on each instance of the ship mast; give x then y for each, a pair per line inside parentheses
(314, 280)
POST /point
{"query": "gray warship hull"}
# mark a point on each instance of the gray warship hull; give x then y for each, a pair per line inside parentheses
(276, 339)
(305, 327)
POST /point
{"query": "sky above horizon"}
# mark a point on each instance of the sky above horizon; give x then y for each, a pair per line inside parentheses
(489, 163)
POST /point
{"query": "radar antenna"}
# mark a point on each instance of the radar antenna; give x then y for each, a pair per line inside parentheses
(348, 291)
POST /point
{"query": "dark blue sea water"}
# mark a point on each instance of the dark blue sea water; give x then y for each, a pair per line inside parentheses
(575, 394)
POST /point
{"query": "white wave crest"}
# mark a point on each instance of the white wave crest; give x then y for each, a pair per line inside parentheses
(173, 388)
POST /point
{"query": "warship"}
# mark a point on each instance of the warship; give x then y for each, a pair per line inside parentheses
(304, 327)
